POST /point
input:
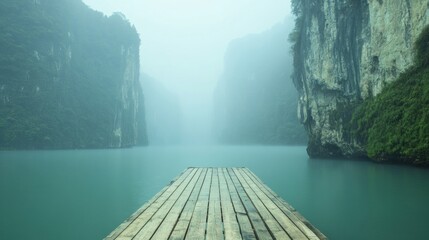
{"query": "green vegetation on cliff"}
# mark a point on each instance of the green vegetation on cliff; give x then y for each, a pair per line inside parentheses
(394, 125)
(67, 76)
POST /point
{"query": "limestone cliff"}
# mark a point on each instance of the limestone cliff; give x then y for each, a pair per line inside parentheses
(345, 52)
(69, 77)
(129, 110)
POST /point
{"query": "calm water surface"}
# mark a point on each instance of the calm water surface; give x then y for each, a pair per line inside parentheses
(86, 194)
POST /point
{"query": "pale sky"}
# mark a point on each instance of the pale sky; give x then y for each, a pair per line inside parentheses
(183, 43)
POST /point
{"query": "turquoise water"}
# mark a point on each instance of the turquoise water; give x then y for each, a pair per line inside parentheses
(85, 194)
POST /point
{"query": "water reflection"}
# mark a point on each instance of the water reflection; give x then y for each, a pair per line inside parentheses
(98, 189)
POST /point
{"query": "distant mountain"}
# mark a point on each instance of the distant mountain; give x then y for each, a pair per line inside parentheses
(69, 77)
(255, 100)
(163, 114)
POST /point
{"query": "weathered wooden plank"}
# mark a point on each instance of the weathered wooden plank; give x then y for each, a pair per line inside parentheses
(310, 231)
(167, 225)
(287, 209)
(230, 221)
(182, 224)
(216, 203)
(159, 197)
(286, 223)
(197, 226)
(273, 226)
(214, 221)
(293, 231)
(149, 229)
(246, 228)
(133, 229)
(256, 220)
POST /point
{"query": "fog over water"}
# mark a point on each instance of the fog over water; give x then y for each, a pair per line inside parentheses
(183, 44)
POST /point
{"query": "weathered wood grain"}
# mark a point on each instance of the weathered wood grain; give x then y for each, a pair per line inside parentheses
(216, 203)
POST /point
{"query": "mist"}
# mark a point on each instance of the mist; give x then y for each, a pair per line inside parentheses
(183, 45)
(255, 99)
(210, 119)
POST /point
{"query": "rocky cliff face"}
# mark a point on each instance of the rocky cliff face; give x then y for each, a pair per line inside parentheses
(345, 52)
(128, 110)
(69, 77)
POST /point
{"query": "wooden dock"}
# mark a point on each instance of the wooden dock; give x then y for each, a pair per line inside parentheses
(216, 203)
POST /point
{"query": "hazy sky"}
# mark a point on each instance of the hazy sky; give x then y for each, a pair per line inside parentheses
(183, 43)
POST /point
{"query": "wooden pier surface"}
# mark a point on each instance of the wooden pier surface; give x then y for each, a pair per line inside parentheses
(216, 203)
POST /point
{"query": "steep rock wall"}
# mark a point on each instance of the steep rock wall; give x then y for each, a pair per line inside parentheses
(345, 52)
(69, 77)
(128, 109)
